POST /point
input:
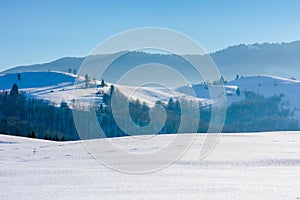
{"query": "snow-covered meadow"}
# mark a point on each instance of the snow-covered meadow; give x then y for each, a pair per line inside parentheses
(241, 166)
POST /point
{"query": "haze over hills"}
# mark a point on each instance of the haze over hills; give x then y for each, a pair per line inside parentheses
(278, 59)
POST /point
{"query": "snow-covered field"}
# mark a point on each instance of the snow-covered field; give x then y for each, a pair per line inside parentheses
(242, 166)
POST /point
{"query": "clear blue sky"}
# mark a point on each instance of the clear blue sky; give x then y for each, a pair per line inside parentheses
(35, 31)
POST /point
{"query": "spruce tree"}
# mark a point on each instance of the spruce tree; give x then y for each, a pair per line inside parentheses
(14, 90)
(87, 80)
(238, 92)
(102, 83)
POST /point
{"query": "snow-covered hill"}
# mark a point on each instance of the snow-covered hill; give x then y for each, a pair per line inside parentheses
(264, 85)
(242, 166)
(52, 86)
(58, 86)
(269, 86)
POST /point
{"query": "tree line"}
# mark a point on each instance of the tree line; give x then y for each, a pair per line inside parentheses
(26, 116)
(22, 115)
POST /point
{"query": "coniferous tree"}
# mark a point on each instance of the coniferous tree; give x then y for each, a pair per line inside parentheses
(238, 92)
(87, 80)
(14, 90)
(32, 134)
(102, 83)
(112, 88)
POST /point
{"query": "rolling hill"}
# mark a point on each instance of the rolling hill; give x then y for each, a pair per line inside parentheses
(59, 86)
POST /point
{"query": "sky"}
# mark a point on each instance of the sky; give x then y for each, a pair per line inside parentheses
(35, 31)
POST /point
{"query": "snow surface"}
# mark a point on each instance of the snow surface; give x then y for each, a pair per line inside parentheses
(59, 86)
(242, 166)
(269, 86)
(52, 86)
(264, 85)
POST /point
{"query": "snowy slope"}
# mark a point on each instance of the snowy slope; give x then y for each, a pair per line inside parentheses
(58, 86)
(269, 86)
(36, 79)
(52, 86)
(242, 166)
(264, 85)
(152, 94)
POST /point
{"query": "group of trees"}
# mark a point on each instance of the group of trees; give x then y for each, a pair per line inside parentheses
(140, 114)
(258, 113)
(74, 71)
(24, 116)
(88, 82)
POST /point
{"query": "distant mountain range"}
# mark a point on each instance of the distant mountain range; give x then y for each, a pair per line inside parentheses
(278, 59)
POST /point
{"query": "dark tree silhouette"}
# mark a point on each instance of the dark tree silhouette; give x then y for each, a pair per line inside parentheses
(14, 90)
(102, 83)
(87, 80)
(238, 92)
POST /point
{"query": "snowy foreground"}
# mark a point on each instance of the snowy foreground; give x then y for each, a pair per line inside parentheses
(241, 166)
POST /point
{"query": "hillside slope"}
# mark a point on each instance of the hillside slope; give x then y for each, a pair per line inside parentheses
(58, 86)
